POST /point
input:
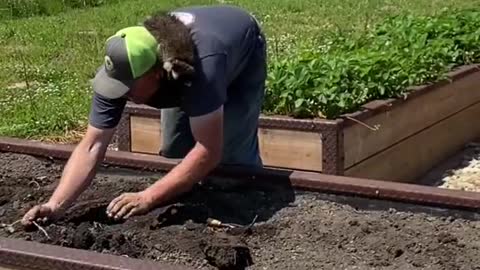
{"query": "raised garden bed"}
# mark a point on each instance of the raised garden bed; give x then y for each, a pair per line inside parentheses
(292, 229)
(393, 140)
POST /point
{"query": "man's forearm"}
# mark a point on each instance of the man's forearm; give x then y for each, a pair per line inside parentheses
(77, 175)
(196, 164)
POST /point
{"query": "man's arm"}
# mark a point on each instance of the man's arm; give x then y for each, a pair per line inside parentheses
(206, 123)
(81, 167)
(205, 156)
(76, 177)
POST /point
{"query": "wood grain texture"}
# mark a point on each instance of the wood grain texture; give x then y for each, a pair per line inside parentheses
(409, 118)
(278, 147)
(146, 135)
(414, 156)
(291, 149)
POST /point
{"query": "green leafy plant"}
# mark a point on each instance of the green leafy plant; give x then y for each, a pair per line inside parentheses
(401, 51)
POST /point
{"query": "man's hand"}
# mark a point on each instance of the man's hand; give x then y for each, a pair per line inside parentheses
(40, 213)
(208, 132)
(129, 204)
(76, 177)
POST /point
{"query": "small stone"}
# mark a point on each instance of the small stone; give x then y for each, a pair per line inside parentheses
(293, 204)
(366, 229)
(430, 219)
(417, 263)
(398, 252)
(446, 238)
(10, 229)
(353, 222)
(352, 250)
(2, 212)
(190, 225)
(16, 204)
(155, 224)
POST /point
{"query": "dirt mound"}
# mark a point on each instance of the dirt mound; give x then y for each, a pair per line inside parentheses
(291, 230)
(27, 170)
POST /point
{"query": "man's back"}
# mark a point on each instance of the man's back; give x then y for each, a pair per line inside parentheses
(222, 30)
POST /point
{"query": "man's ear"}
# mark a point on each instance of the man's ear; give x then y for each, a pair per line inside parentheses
(182, 68)
(178, 68)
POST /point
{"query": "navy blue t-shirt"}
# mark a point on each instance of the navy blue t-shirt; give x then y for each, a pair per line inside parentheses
(224, 36)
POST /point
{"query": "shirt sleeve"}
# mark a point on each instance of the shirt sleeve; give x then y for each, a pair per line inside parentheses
(209, 88)
(104, 112)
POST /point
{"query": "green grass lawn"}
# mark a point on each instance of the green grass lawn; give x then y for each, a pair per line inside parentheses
(47, 60)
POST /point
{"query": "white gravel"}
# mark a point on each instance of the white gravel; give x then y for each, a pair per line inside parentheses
(461, 171)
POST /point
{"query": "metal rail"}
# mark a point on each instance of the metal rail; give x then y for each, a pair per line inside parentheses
(377, 189)
(19, 255)
(23, 255)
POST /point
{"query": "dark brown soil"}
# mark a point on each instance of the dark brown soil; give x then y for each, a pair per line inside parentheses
(292, 230)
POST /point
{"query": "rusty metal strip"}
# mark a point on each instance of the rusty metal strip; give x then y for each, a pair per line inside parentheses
(25, 255)
(141, 110)
(351, 186)
(309, 125)
(332, 149)
(394, 191)
(270, 122)
(63, 151)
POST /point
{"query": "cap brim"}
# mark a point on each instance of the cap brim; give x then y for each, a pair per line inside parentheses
(108, 86)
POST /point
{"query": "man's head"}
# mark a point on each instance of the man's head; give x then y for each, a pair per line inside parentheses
(131, 65)
(138, 58)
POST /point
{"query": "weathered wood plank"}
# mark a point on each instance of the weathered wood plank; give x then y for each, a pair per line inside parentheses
(414, 156)
(410, 117)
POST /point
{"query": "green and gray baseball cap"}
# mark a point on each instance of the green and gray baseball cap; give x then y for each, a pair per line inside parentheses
(130, 53)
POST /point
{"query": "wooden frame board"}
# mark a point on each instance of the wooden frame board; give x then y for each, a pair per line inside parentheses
(279, 147)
